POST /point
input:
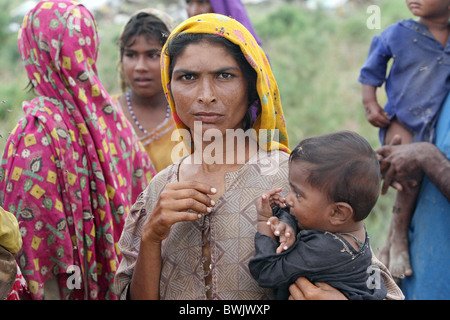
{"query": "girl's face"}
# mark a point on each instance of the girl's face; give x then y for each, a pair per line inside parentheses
(141, 65)
(429, 8)
(208, 85)
(195, 7)
(309, 205)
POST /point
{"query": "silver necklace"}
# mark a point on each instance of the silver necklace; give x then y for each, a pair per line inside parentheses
(134, 117)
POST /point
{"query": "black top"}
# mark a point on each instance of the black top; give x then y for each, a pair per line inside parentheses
(321, 257)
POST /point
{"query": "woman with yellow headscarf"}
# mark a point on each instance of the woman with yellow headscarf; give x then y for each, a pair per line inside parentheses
(190, 235)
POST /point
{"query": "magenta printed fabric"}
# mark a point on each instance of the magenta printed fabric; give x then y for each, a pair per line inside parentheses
(71, 168)
(236, 10)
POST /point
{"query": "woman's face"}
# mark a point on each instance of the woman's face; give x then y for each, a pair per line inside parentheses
(195, 7)
(208, 85)
(141, 65)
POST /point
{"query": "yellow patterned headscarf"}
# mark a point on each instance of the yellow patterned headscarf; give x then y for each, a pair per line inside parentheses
(270, 116)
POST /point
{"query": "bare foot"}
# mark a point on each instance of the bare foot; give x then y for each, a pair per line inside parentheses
(399, 263)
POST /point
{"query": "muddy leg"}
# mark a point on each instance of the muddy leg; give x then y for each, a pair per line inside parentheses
(396, 250)
(399, 260)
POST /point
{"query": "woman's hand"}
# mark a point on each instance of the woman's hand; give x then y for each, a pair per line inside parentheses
(179, 201)
(400, 164)
(303, 289)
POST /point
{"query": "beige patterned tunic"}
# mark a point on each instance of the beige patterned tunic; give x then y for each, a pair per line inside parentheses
(230, 229)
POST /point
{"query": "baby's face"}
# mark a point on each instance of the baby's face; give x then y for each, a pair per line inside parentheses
(309, 205)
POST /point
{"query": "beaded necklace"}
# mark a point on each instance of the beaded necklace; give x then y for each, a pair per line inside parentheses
(136, 120)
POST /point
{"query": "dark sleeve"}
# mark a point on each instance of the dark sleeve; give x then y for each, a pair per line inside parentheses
(273, 270)
(283, 214)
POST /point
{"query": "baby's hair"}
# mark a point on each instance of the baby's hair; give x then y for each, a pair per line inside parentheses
(344, 166)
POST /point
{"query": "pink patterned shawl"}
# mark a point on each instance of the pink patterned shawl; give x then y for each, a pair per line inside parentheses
(71, 168)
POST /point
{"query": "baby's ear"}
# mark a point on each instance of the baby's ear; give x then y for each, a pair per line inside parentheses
(342, 212)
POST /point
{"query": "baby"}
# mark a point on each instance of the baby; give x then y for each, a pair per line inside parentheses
(335, 182)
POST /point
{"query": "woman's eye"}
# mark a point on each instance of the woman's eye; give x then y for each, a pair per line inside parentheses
(187, 77)
(154, 55)
(225, 75)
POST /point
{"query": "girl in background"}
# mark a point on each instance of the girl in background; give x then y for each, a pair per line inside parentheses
(142, 100)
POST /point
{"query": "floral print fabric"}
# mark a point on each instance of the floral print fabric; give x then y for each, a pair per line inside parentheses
(71, 168)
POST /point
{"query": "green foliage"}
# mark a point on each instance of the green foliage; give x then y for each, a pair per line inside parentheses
(316, 56)
(109, 58)
(12, 77)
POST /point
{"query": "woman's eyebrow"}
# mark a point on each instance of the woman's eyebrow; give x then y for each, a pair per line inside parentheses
(183, 71)
(147, 51)
(226, 69)
(220, 70)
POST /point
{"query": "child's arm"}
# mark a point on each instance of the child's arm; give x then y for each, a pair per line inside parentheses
(374, 112)
(272, 270)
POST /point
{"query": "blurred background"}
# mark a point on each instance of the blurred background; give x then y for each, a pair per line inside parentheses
(316, 49)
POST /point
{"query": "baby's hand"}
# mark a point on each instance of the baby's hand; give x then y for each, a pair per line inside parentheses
(268, 201)
(284, 231)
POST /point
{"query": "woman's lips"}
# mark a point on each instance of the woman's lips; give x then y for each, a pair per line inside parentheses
(207, 117)
(142, 82)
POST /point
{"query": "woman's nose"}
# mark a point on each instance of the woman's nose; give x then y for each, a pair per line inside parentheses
(206, 94)
(141, 64)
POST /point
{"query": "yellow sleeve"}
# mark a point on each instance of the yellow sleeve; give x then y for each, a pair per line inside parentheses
(10, 237)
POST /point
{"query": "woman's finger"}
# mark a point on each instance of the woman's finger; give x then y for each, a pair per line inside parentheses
(388, 179)
(296, 290)
(188, 190)
(199, 186)
(190, 203)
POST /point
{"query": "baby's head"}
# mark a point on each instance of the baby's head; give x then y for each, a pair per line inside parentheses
(342, 166)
